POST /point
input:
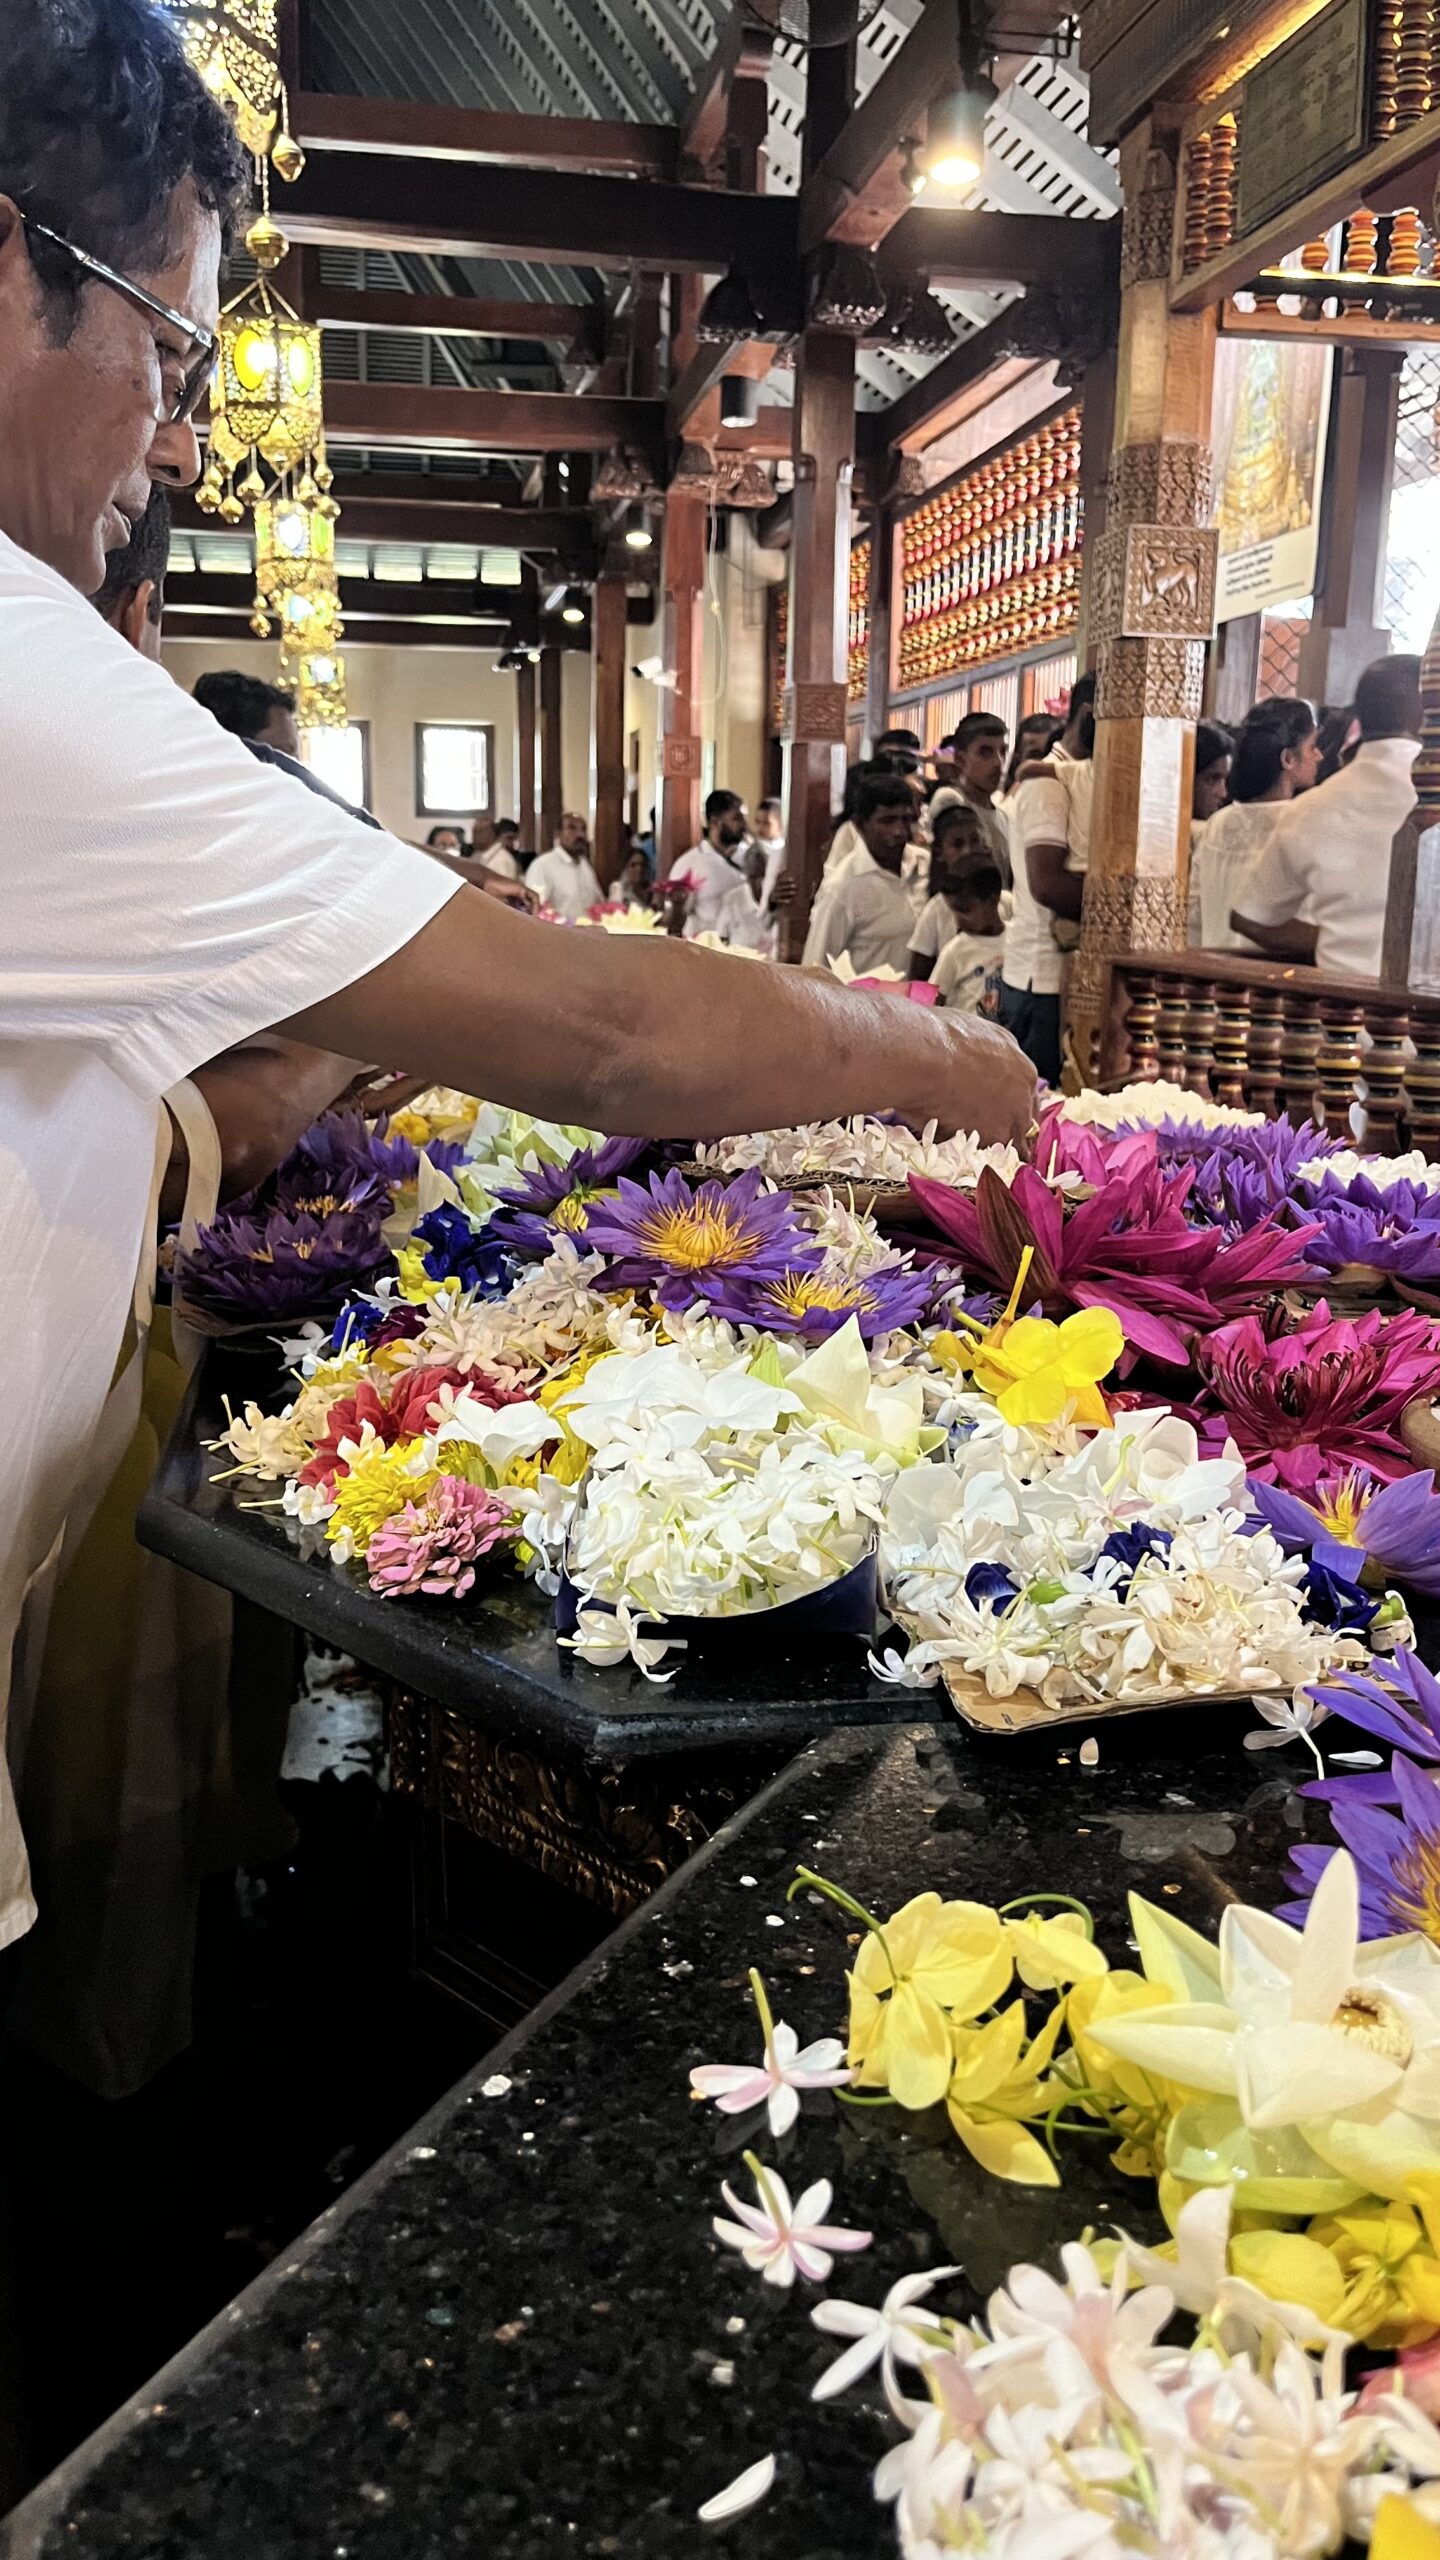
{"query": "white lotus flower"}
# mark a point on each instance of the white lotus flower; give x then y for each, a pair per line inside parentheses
(1198, 2275)
(501, 1433)
(1311, 2031)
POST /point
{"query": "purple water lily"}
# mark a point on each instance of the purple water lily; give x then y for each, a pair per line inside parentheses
(1357, 1526)
(815, 1304)
(251, 1267)
(719, 1242)
(560, 1195)
(1397, 1856)
(1242, 1175)
(1396, 1229)
(1403, 1711)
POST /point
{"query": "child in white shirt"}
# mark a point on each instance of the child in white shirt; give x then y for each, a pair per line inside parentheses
(967, 971)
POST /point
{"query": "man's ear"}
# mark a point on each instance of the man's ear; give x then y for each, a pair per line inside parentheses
(134, 615)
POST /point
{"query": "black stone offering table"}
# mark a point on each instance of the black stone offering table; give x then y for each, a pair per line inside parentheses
(517, 2337)
(541, 1798)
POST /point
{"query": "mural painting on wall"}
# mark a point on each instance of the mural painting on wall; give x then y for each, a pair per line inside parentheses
(1270, 416)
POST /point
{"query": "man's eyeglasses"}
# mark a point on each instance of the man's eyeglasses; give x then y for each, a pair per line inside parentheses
(198, 365)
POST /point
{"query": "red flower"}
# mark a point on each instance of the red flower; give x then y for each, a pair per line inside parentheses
(1325, 1396)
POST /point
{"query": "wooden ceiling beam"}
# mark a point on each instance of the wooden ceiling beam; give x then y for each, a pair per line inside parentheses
(423, 489)
(693, 407)
(438, 419)
(460, 209)
(858, 193)
(363, 599)
(444, 315)
(960, 248)
(211, 629)
(401, 126)
(702, 129)
(383, 517)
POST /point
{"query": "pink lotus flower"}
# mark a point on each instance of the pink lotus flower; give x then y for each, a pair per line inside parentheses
(433, 1545)
(1325, 1396)
(1127, 1248)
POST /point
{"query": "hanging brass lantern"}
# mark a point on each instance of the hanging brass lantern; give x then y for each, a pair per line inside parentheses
(265, 399)
(294, 559)
(235, 47)
(318, 679)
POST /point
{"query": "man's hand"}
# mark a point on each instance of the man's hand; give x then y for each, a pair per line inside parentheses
(990, 1083)
(783, 893)
(511, 893)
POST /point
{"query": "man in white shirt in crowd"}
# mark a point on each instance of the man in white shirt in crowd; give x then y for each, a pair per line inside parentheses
(1051, 830)
(167, 898)
(712, 868)
(747, 919)
(564, 879)
(973, 772)
(1320, 886)
(868, 912)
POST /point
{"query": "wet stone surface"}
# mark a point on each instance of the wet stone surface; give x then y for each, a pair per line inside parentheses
(517, 2336)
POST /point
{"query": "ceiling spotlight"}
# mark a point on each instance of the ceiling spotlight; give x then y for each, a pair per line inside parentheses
(954, 153)
(638, 536)
(739, 400)
(534, 657)
(573, 608)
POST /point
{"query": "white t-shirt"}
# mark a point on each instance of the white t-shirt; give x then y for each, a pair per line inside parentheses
(499, 859)
(750, 926)
(866, 912)
(567, 887)
(1054, 808)
(1328, 858)
(165, 896)
(968, 968)
(712, 877)
(1224, 858)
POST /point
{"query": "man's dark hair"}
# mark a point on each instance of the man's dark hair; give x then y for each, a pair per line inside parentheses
(978, 724)
(905, 738)
(769, 804)
(1081, 713)
(145, 558)
(720, 804)
(1387, 698)
(1212, 743)
(877, 791)
(242, 704)
(101, 118)
(973, 884)
(507, 826)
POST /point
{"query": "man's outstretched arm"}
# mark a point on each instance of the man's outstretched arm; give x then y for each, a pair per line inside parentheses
(656, 1039)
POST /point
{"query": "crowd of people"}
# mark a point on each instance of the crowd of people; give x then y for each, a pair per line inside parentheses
(1295, 815)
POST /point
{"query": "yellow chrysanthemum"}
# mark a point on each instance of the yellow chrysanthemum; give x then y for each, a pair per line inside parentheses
(378, 1484)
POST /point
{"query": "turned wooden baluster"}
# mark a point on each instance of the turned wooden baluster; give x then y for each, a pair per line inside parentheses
(1142, 1064)
(1338, 1062)
(1264, 1090)
(1422, 1085)
(1384, 1071)
(1299, 1050)
(1200, 1038)
(1170, 1035)
(1232, 1044)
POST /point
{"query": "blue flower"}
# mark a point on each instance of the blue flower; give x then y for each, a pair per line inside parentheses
(990, 1582)
(456, 1250)
(1397, 1857)
(1331, 1600)
(1129, 1548)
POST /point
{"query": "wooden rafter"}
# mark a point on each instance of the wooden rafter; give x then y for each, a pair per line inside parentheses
(425, 132)
(434, 418)
(444, 315)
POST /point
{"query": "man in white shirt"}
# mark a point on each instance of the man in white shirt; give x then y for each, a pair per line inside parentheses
(747, 918)
(714, 868)
(867, 912)
(1051, 829)
(564, 879)
(1320, 886)
(973, 772)
(166, 898)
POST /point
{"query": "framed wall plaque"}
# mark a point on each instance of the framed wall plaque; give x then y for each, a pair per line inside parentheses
(1302, 114)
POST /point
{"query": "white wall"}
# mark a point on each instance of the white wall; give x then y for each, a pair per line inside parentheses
(395, 688)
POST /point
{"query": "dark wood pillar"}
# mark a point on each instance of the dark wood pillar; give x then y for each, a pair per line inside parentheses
(607, 707)
(525, 754)
(1233, 676)
(681, 751)
(815, 698)
(552, 786)
(1346, 628)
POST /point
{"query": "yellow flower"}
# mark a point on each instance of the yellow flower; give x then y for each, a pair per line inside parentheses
(1035, 1370)
(415, 1281)
(1138, 2104)
(997, 2082)
(933, 1958)
(379, 1483)
(1390, 2292)
(1403, 2530)
(409, 1124)
(1049, 1953)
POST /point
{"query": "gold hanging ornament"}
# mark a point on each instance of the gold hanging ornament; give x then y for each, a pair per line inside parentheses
(295, 580)
(317, 679)
(235, 47)
(265, 399)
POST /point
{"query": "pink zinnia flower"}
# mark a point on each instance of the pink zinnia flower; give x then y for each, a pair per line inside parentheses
(1325, 1396)
(433, 1545)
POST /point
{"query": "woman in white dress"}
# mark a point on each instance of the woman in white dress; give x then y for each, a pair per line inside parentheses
(1276, 755)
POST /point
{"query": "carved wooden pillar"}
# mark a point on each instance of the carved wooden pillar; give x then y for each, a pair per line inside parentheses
(607, 705)
(552, 781)
(525, 754)
(680, 748)
(815, 696)
(1152, 592)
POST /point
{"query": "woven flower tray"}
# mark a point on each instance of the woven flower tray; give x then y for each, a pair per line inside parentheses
(890, 1204)
(1026, 1711)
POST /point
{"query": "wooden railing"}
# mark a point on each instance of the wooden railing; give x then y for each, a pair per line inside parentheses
(1267, 1037)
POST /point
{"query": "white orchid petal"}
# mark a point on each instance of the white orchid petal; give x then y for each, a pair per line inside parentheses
(743, 2493)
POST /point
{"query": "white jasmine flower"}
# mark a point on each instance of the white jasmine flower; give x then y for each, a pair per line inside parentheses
(781, 2073)
(607, 1636)
(899, 2332)
(780, 2240)
(265, 1445)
